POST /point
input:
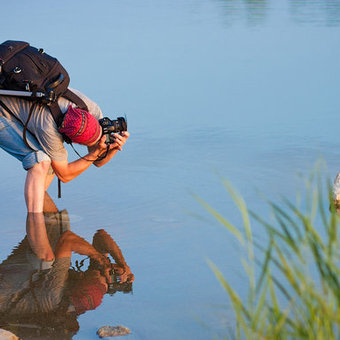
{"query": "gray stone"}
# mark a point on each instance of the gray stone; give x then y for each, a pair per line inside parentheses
(108, 331)
(6, 335)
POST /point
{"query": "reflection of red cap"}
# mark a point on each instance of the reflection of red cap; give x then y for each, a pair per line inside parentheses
(80, 126)
(87, 295)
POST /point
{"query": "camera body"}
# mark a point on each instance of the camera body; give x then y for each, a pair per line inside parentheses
(110, 127)
(115, 284)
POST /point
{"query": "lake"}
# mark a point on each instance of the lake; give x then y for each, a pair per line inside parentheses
(244, 90)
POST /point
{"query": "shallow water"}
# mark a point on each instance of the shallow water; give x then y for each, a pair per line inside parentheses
(247, 90)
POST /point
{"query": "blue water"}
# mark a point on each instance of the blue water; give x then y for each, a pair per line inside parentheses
(247, 90)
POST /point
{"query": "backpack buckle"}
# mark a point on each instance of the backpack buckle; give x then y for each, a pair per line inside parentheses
(50, 96)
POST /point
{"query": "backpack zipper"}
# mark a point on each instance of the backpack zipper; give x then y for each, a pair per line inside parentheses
(34, 62)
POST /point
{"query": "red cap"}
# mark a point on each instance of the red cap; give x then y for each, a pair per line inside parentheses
(80, 126)
(87, 295)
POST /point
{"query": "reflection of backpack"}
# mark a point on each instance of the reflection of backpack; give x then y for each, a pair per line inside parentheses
(29, 72)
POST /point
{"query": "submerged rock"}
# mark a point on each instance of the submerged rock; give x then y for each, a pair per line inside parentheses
(336, 188)
(6, 335)
(107, 331)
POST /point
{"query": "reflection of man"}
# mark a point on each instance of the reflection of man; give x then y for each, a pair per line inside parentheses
(36, 279)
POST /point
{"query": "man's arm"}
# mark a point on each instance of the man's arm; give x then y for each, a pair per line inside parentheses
(67, 171)
(104, 244)
(120, 140)
(70, 242)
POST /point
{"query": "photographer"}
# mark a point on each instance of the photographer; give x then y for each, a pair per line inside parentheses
(46, 155)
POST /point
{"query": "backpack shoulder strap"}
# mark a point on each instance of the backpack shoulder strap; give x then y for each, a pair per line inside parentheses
(75, 99)
(56, 112)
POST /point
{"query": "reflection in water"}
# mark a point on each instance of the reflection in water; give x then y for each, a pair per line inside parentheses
(322, 12)
(41, 296)
(255, 10)
(301, 11)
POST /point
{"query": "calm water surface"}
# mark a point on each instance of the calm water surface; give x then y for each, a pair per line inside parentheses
(247, 90)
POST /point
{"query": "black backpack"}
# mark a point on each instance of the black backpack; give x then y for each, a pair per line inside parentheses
(30, 73)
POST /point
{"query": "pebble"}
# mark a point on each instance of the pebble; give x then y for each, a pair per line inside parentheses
(6, 335)
(107, 331)
(336, 188)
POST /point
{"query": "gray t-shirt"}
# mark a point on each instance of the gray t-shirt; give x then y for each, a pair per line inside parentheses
(42, 124)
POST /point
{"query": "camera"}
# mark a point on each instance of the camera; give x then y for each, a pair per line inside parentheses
(115, 284)
(110, 127)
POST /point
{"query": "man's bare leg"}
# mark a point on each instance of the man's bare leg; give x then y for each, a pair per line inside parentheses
(35, 187)
(35, 223)
(37, 236)
(49, 205)
(49, 179)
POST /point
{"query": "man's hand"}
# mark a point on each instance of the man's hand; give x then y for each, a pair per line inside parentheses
(101, 147)
(120, 140)
(124, 273)
(102, 260)
(104, 263)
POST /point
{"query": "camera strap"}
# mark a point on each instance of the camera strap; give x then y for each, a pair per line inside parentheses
(99, 158)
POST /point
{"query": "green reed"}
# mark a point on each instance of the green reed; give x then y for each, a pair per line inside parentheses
(294, 279)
